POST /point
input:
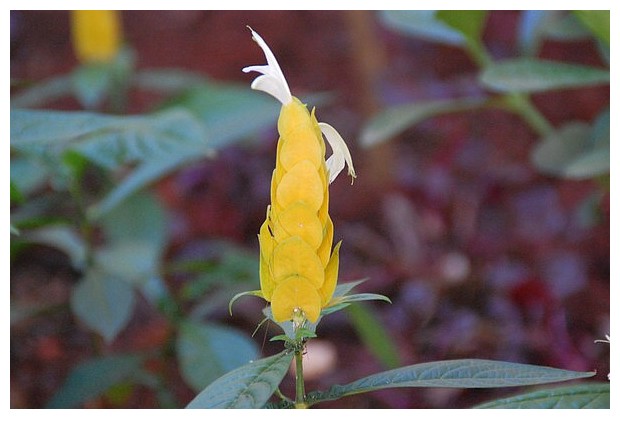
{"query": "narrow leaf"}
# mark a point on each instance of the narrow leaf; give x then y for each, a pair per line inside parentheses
(43, 92)
(249, 386)
(575, 151)
(144, 175)
(93, 378)
(461, 373)
(533, 75)
(394, 120)
(257, 293)
(64, 238)
(207, 351)
(579, 396)
(374, 335)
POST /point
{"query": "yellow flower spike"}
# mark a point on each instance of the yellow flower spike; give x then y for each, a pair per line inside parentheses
(298, 269)
(96, 35)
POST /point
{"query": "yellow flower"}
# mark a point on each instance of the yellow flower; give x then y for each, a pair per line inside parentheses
(298, 268)
(96, 34)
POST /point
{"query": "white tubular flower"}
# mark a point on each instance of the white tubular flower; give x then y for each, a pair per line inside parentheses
(272, 80)
(340, 153)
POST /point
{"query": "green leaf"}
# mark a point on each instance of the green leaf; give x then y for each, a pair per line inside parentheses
(208, 351)
(392, 121)
(109, 141)
(533, 75)
(460, 373)
(229, 112)
(140, 218)
(249, 386)
(135, 234)
(64, 238)
(103, 302)
(257, 293)
(470, 23)
(422, 23)
(43, 92)
(144, 175)
(579, 396)
(576, 150)
(537, 25)
(27, 174)
(598, 22)
(93, 378)
(374, 335)
(344, 288)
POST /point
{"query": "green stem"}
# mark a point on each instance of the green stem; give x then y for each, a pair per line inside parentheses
(517, 102)
(300, 392)
(522, 105)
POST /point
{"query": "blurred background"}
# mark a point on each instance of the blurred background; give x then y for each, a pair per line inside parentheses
(483, 252)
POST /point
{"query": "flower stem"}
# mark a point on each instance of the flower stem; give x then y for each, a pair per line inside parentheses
(300, 391)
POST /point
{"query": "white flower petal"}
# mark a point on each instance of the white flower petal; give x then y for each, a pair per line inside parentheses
(272, 80)
(340, 156)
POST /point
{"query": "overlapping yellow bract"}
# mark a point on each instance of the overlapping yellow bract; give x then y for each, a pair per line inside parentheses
(298, 269)
(96, 34)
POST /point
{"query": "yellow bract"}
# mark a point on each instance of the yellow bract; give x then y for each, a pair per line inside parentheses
(96, 34)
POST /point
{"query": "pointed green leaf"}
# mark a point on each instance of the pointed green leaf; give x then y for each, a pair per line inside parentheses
(103, 302)
(92, 378)
(460, 373)
(43, 92)
(144, 175)
(64, 238)
(107, 140)
(228, 111)
(91, 83)
(257, 293)
(249, 386)
(374, 335)
(344, 288)
(576, 150)
(533, 75)
(207, 351)
(579, 396)
(394, 120)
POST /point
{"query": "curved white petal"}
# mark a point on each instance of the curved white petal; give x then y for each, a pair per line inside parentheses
(340, 156)
(272, 79)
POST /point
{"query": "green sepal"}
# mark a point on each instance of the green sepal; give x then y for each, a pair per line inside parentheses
(257, 293)
(340, 302)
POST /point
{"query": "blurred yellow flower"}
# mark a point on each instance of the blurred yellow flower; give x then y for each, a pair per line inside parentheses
(96, 34)
(298, 268)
